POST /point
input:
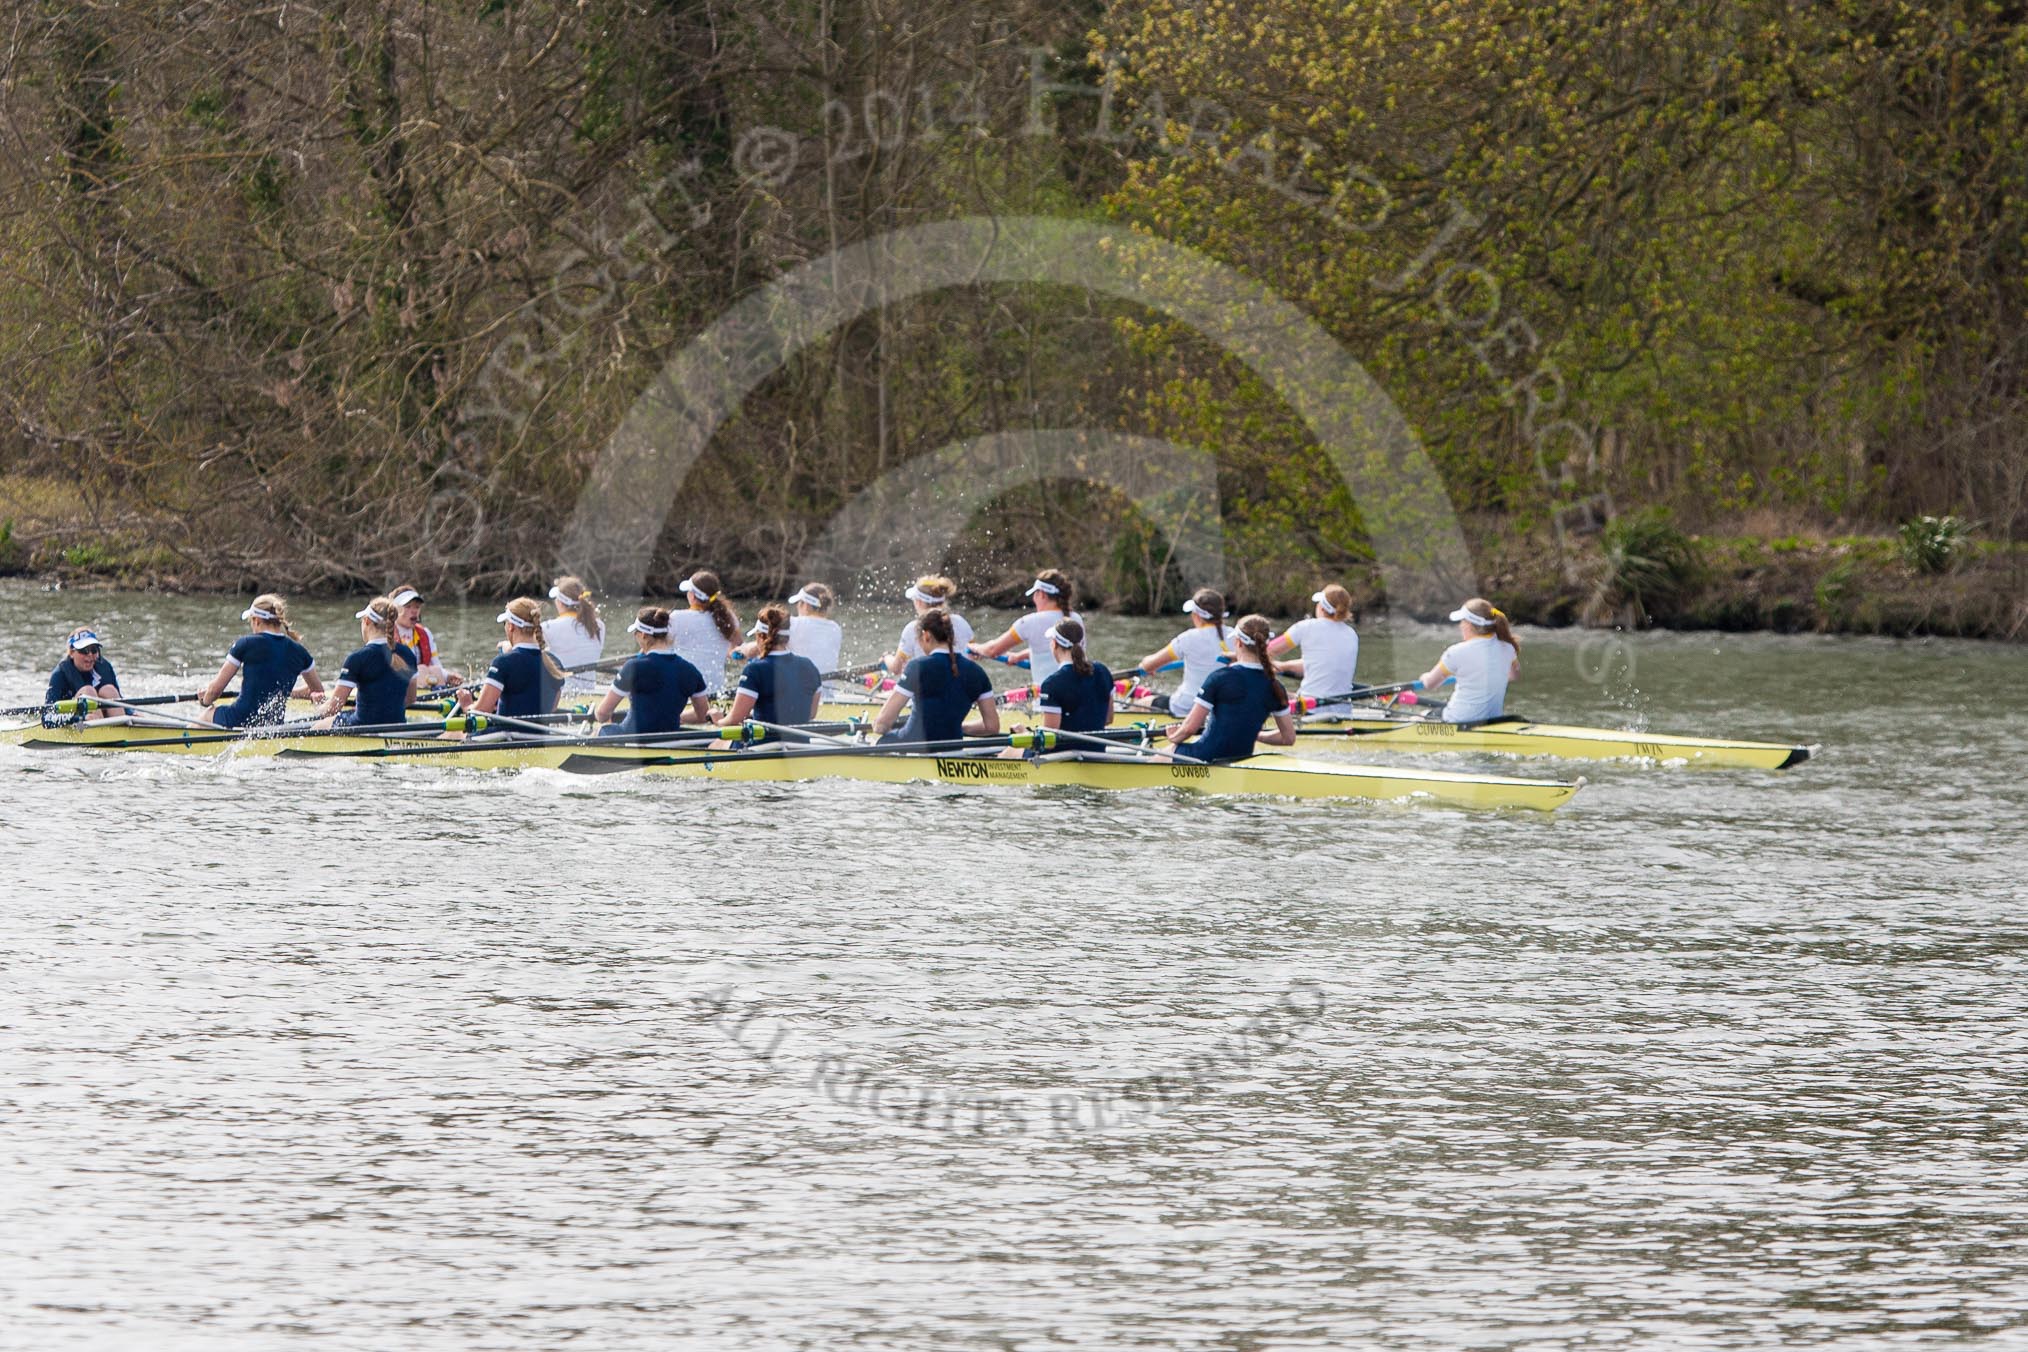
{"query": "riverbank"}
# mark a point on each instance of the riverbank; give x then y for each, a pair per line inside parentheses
(1789, 583)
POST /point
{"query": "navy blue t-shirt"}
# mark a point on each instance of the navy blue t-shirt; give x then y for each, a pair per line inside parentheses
(379, 677)
(1241, 699)
(269, 665)
(942, 700)
(658, 686)
(1084, 702)
(527, 688)
(783, 686)
(67, 680)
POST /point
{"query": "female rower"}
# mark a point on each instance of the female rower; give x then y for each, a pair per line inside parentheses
(1053, 596)
(1483, 661)
(778, 686)
(657, 684)
(812, 631)
(943, 685)
(1198, 648)
(1329, 643)
(380, 677)
(419, 640)
(267, 661)
(930, 591)
(576, 636)
(1235, 701)
(705, 632)
(84, 671)
(1078, 696)
(524, 680)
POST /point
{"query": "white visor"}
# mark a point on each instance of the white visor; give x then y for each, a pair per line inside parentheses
(366, 614)
(1056, 636)
(1482, 621)
(1191, 607)
(689, 586)
(1239, 636)
(405, 595)
(256, 613)
(1318, 597)
(915, 593)
(638, 628)
(85, 639)
(803, 598)
(759, 628)
(567, 602)
(509, 617)
(1040, 586)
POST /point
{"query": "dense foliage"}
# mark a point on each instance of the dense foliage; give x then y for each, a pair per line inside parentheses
(326, 294)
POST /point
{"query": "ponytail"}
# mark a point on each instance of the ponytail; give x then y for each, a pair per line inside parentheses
(773, 622)
(277, 607)
(581, 607)
(935, 623)
(1073, 638)
(527, 614)
(384, 615)
(1211, 603)
(1481, 610)
(705, 592)
(1255, 629)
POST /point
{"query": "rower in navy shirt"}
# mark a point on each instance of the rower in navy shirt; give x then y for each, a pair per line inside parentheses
(657, 684)
(943, 686)
(1078, 695)
(379, 678)
(85, 671)
(524, 680)
(268, 662)
(778, 686)
(1234, 701)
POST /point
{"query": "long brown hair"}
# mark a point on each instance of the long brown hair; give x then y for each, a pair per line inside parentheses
(936, 623)
(278, 608)
(527, 613)
(1065, 596)
(1255, 627)
(706, 591)
(1213, 601)
(1486, 610)
(384, 615)
(1073, 635)
(581, 607)
(774, 625)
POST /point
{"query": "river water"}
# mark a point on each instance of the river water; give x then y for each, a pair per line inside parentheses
(369, 1056)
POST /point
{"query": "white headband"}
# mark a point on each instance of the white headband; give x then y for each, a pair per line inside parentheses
(1041, 586)
(638, 628)
(1240, 635)
(689, 585)
(1056, 635)
(256, 613)
(367, 614)
(804, 598)
(1191, 607)
(1473, 617)
(405, 595)
(915, 593)
(509, 617)
(567, 602)
(760, 627)
(1318, 597)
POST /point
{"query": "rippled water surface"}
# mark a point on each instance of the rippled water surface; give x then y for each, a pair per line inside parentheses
(369, 1056)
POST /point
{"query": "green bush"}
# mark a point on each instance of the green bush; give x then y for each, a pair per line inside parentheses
(1647, 564)
(1934, 544)
(12, 556)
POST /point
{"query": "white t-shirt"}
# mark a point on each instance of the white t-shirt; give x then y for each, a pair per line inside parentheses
(1482, 666)
(695, 637)
(572, 647)
(911, 649)
(1330, 650)
(1033, 629)
(1200, 650)
(818, 639)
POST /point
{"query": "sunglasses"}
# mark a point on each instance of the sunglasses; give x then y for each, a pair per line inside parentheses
(88, 652)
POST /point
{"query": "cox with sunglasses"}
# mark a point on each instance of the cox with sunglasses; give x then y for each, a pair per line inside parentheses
(86, 671)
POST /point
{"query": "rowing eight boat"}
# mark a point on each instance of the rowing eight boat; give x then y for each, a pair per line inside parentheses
(1276, 775)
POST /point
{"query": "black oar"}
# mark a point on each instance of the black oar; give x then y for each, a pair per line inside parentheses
(1363, 693)
(140, 702)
